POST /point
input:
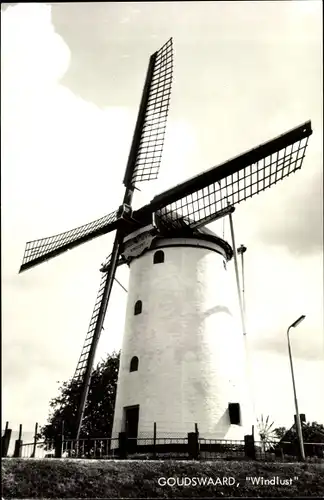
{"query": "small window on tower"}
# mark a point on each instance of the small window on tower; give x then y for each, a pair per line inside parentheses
(158, 257)
(133, 364)
(234, 411)
(138, 307)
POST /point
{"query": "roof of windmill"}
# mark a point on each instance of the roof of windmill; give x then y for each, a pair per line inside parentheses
(205, 230)
(210, 234)
(182, 228)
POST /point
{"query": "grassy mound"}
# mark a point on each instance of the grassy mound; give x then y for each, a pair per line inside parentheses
(52, 478)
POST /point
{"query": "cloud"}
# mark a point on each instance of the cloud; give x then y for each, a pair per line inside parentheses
(52, 55)
(300, 230)
(277, 342)
(279, 288)
(273, 392)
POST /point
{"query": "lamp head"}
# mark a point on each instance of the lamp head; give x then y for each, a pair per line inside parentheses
(299, 320)
(241, 249)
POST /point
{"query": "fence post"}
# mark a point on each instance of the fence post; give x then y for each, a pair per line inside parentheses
(249, 446)
(198, 442)
(5, 441)
(18, 444)
(122, 444)
(154, 440)
(62, 432)
(282, 453)
(193, 445)
(35, 442)
(88, 443)
(58, 446)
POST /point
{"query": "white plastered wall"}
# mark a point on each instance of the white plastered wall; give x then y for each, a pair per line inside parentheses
(189, 344)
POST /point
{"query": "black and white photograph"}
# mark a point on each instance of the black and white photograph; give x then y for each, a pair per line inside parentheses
(162, 249)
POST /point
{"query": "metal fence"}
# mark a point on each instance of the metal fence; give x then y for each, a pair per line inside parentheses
(137, 448)
(164, 445)
(171, 448)
(211, 449)
(40, 450)
(288, 451)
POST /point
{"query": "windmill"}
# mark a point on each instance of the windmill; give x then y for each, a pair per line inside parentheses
(178, 364)
(266, 432)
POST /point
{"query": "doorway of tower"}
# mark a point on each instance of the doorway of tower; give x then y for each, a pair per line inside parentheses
(131, 414)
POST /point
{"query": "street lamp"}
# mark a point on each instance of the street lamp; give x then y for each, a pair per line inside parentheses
(241, 250)
(298, 424)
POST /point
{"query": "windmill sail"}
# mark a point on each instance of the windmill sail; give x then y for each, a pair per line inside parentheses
(84, 357)
(143, 164)
(83, 360)
(146, 150)
(38, 251)
(84, 367)
(206, 197)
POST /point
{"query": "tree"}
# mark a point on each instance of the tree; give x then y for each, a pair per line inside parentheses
(313, 437)
(280, 432)
(313, 432)
(99, 409)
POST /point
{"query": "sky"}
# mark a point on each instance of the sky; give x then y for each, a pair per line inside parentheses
(72, 76)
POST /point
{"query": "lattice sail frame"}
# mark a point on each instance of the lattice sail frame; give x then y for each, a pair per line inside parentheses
(38, 251)
(146, 166)
(83, 360)
(204, 205)
(150, 148)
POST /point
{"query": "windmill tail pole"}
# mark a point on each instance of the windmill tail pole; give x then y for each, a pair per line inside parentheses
(241, 251)
(101, 317)
(237, 275)
(243, 286)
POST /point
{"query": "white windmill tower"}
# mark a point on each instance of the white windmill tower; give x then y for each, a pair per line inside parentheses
(183, 356)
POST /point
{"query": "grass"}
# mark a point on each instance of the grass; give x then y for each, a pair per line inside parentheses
(50, 478)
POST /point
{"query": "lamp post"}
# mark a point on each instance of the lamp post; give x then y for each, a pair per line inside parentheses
(237, 274)
(241, 250)
(298, 424)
